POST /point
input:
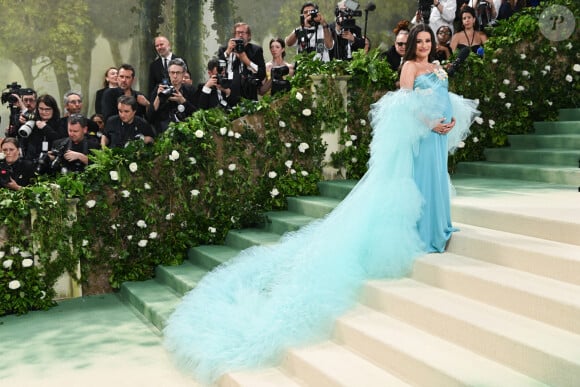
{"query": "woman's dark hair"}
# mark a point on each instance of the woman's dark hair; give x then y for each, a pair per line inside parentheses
(105, 82)
(49, 101)
(411, 52)
(470, 11)
(282, 43)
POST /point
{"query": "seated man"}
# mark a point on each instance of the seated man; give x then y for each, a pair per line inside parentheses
(216, 91)
(70, 154)
(126, 126)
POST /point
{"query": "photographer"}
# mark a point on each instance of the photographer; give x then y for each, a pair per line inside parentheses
(38, 133)
(313, 35)
(126, 126)
(215, 91)
(70, 154)
(485, 11)
(15, 172)
(277, 69)
(245, 64)
(346, 34)
(20, 101)
(172, 102)
(436, 13)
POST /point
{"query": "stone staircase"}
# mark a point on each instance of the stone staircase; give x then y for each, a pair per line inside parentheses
(551, 154)
(500, 308)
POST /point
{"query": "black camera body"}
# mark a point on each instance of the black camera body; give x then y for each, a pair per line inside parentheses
(5, 174)
(221, 76)
(7, 97)
(424, 7)
(240, 46)
(167, 92)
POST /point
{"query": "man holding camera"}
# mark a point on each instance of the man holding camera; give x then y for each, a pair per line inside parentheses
(313, 35)
(126, 126)
(216, 90)
(172, 102)
(347, 35)
(125, 77)
(436, 13)
(246, 67)
(70, 154)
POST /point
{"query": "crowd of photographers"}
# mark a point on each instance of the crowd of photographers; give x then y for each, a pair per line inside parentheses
(39, 140)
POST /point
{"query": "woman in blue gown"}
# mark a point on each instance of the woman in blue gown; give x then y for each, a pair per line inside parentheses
(245, 313)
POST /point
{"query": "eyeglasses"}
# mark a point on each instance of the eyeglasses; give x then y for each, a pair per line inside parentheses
(28, 100)
(46, 109)
(444, 32)
(175, 72)
(241, 32)
(401, 44)
(75, 101)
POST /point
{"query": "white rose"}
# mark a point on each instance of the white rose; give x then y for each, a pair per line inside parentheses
(530, 103)
(491, 123)
(174, 155)
(547, 67)
(544, 72)
(272, 174)
(231, 133)
(133, 167)
(223, 130)
(501, 94)
(142, 243)
(147, 186)
(299, 96)
(237, 135)
(114, 227)
(194, 192)
(569, 46)
(353, 137)
(353, 160)
(141, 224)
(153, 235)
(348, 144)
(494, 60)
(14, 250)
(576, 67)
(304, 173)
(363, 122)
(307, 112)
(461, 144)
(114, 175)
(292, 171)
(288, 163)
(549, 102)
(475, 139)
(14, 284)
(199, 133)
(287, 144)
(525, 73)
(220, 172)
(274, 192)
(508, 105)
(569, 78)
(27, 262)
(212, 230)
(129, 237)
(303, 147)
(125, 193)
(232, 167)
(90, 203)
(2, 254)
(169, 216)
(7, 264)
(506, 81)
(479, 120)
(520, 88)
(192, 161)
(523, 56)
(85, 243)
(281, 124)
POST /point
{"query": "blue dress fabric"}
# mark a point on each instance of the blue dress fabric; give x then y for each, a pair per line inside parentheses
(247, 312)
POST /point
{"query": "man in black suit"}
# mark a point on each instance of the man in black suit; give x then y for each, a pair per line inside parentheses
(346, 34)
(246, 67)
(125, 77)
(215, 92)
(158, 68)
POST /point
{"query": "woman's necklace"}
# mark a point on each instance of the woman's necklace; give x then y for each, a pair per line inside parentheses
(469, 43)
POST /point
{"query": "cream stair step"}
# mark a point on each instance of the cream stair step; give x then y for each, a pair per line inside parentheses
(546, 353)
(266, 377)
(418, 357)
(330, 365)
(544, 299)
(547, 258)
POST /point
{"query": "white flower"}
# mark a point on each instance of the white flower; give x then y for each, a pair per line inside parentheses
(576, 68)
(303, 146)
(363, 122)
(27, 262)
(530, 103)
(125, 193)
(479, 120)
(501, 94)
(169, 216)
(475, 139)
(569, 78)
(494, 60)
(547, 67)
(508, 105)
(133, 167)
(174, 155)
(192, 161)
(506, 81)
(194, 192)
(141, 224)
(554, 49)
(287, 144)
(114, 175)
(90, 203)
(85, 243)
(14, 250)
(307, 112)
(272, 174)
(212, 230)
(220, 172)
(114, 227)
(223, 130)
(142, 243)
(232, 167)
(288, 163)
(304, 173)
(147, 186)
(491, 123)
(544, 72)
(199, 133)
(153, 235)
(353, 137)
(274, 192)
(7, 264)
(525, 73)
(42, 294)
(569, 46)
(14, 284)
(233, 219)
(461, 144)
(2, 254)
(523, 56)
(520, 88)
(129, 237)
(292, 171)
(281, 124)
(25, 254)
(231, 133)
(299, 96)
(348, 143)
(353, 160)
(237, 135)
(549, 102)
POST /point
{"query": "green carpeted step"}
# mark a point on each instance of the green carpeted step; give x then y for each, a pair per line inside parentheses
(557, 127)
(569, 114)
(152, 299)
(560, 157)
(279, 222)
(210, 256)
(533, 172)
(180, 278)
(560, 141)
(242, 239)
(337, 189)
(313, 206)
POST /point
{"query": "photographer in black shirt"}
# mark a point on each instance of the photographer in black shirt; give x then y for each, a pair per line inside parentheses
(347, 35)
(15, 172)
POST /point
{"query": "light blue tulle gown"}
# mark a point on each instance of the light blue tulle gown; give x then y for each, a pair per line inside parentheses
(245, 313)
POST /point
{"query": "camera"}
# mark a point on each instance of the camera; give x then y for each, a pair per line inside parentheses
(5, 174)
(313, 14)
(222, 79)
(424, 7)
(58, 154)
(240, 46)
(167, 92)
(7, 97)
(26, 129)
(278, 72)
(344, 17)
